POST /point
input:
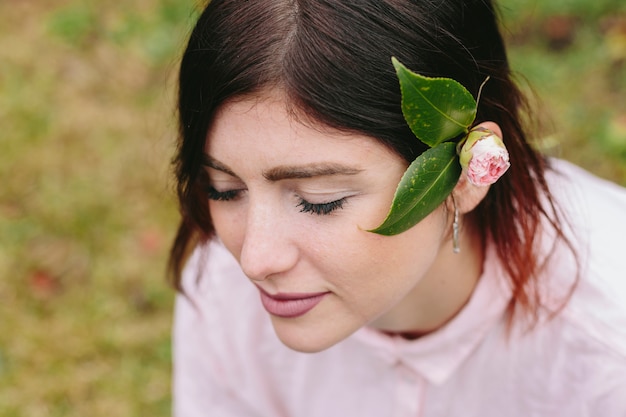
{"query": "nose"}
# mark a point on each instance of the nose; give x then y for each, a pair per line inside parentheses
(268, 245)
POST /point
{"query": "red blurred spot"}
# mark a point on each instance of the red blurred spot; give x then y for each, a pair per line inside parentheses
(151, 241)
(43, 285)
(560, 31)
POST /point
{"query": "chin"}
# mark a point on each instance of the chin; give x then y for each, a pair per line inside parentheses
(305, 339)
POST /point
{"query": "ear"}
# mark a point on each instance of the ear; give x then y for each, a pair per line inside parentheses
(467, 195)
(494, 127)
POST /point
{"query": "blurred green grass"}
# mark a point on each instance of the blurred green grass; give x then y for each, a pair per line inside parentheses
(86, 203)
(86, 206)
(573, 54)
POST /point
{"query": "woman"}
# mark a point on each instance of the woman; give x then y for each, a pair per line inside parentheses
(292, 144)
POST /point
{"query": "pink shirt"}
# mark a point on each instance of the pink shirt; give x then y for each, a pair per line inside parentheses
(228, 361)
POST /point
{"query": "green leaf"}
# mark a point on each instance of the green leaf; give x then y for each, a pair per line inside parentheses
(424, 186)
(436, 109)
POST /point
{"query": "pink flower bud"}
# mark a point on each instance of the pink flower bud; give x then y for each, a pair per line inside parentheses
(484, 157)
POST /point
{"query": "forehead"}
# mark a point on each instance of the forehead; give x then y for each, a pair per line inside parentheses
(269, 120)
(271, 109)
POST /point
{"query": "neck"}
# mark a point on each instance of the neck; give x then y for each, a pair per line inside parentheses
(441, 295)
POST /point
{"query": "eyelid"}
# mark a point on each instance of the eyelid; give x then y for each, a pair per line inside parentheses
(325, 195)
(215, 175)
(218, 180)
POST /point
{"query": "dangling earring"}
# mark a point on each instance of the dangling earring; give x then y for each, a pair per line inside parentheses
(455, 229)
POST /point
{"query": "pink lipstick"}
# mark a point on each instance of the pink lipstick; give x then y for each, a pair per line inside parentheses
(290, 305)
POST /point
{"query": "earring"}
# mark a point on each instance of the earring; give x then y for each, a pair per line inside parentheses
(455, 229)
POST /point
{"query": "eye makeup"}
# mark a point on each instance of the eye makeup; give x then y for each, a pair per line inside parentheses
(320, 208)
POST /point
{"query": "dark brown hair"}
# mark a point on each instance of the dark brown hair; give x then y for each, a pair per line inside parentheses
(332, 59)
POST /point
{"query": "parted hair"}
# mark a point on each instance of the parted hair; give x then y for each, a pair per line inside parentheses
(332, 60)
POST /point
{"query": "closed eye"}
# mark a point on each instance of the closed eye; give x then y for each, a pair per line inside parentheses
(228, 195)
(321, 208)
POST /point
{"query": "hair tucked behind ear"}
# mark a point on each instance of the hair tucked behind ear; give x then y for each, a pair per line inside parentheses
(332, 59)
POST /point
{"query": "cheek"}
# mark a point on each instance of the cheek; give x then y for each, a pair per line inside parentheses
(229, 226)
(388, 266)
(347, 246)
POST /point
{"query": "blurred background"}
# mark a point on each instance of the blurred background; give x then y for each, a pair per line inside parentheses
(87, 130)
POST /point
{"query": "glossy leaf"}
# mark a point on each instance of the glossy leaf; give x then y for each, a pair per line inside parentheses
(424, 186)
(436, 109)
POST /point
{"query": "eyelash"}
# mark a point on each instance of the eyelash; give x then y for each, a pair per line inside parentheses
(213, 194)
(320, 209)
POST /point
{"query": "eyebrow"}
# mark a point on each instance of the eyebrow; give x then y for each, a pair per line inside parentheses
(308, 171)
(215, 164)
(290, 171)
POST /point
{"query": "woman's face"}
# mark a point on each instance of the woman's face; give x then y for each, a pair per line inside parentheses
(293, 204)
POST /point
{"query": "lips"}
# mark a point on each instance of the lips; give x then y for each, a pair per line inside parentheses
(290, 305)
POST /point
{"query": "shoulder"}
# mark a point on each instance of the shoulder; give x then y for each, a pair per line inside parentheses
(593, 214)
(593, 210)
(219, 328)
(583, 195)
